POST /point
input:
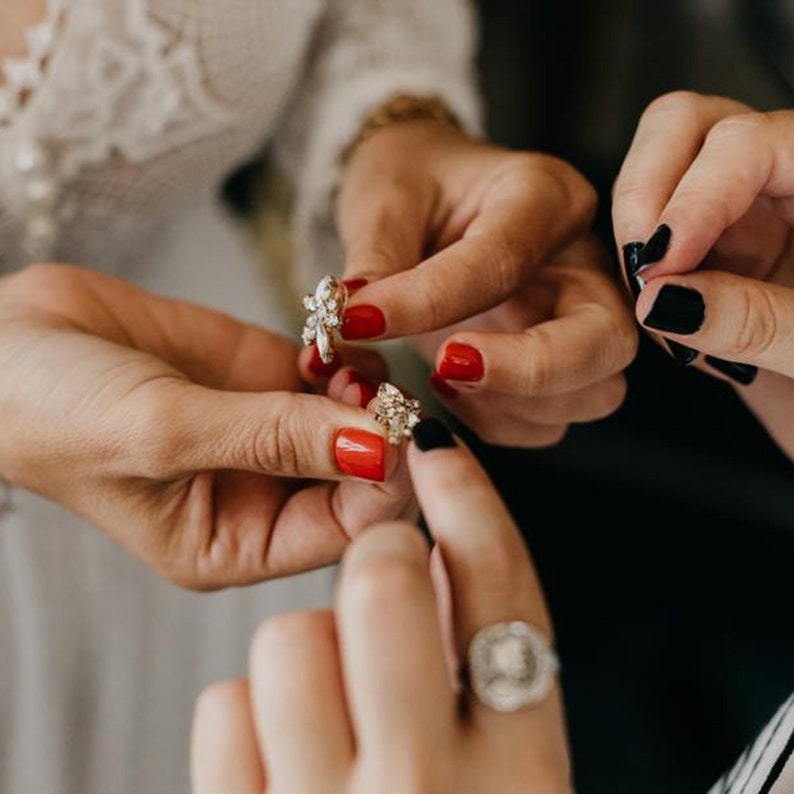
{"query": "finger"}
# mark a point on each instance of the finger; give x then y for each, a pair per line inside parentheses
(668, 138)
(724, 315)
(225, 756)
(518, 421)
(399, 690)
(209, 347)
(300, 706)
(531, 212)
(490, 572)
(560, 356)
(352, 388)
(383, 222)
(317, 373)
(180, 428)
(744, 156)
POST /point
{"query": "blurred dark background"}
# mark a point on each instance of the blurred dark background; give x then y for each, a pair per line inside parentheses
(664, 535)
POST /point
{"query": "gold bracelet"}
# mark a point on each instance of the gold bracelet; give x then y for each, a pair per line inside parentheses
(402, 107)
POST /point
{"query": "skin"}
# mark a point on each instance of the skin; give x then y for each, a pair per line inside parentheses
(128, 410)
(464, 242)
(722, 177)
(363, 698)
(180, 431)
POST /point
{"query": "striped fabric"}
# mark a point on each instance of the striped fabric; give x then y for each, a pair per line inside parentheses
(767, 766)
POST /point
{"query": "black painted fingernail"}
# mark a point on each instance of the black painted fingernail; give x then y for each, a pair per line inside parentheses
(677, 310)
(631, 264)
(682, 354)
(433, 434)
(656, 247)
(744, 374)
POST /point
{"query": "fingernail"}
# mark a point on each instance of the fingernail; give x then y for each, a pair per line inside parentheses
(442, 387)
(681, 354)
(360, 453)
(743, 374)
(318, 367)
(363, 322)
(656, 247)
(368, 390)
(461, 362)
(353, 285)
(677, 310)
(631, 265)
(432, 434)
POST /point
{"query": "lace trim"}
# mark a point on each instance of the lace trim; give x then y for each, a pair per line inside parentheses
(133, 90)
(24, 75)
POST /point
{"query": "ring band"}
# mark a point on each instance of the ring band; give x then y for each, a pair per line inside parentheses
(511, 666)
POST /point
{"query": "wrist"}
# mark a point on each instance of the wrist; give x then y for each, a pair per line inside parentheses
(402, 112)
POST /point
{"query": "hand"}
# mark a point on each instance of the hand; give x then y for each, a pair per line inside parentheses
(485, 253)
(716, 179)
(178, 430)
(363, 699)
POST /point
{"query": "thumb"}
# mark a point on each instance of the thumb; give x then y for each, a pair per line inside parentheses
(189, 428)
(724, 315)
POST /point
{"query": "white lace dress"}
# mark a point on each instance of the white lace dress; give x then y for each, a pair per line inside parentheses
(115, 133)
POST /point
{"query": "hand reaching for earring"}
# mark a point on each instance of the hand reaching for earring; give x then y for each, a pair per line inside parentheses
(483, 256)
(181, 432)
(367, 697)
(715, 179)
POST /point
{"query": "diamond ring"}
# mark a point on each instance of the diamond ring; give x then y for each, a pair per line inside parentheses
(396, 413)
(511, 666)
(325, 309)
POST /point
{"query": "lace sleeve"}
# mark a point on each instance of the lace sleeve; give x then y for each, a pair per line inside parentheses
(364, 52)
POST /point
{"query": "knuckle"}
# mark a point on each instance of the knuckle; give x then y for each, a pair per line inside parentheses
(746, 126)
(533, 371)
(220, 697)
(288, 630)
(574, 190)
(156, 433)
(550, 436)
(622, 340)
(679, 103)
(372, 580)
(277, 444)
(41, 285)
(757, 323)
(613, 394)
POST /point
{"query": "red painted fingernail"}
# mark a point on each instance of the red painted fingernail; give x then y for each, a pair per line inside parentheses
(319, 368)
(461, 362)
(360, 454)
(354, 285)
(363, 322)
(442, 387)
(368, 390)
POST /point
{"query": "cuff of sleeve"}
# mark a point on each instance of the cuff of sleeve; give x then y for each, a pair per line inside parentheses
(318, 250)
